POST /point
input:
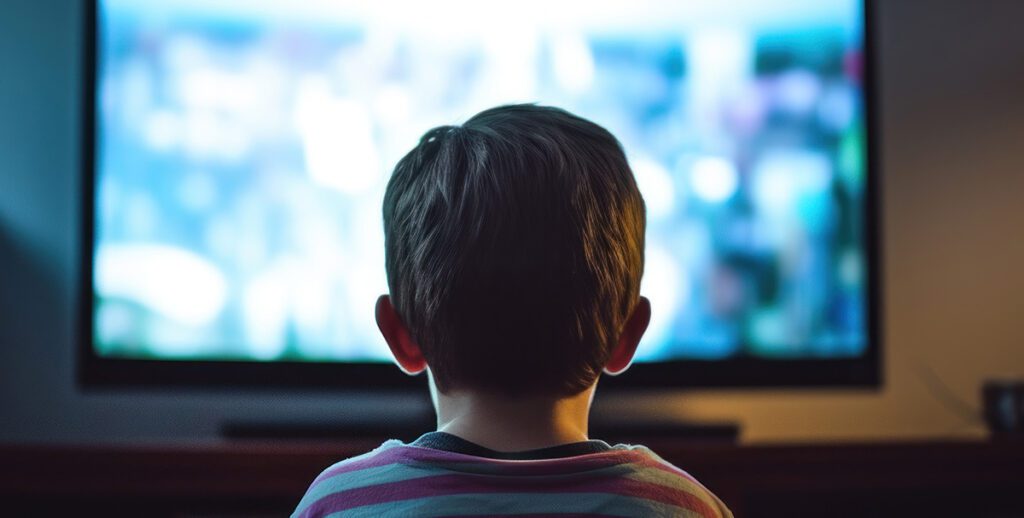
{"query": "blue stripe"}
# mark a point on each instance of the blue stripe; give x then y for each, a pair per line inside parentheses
(360, 478)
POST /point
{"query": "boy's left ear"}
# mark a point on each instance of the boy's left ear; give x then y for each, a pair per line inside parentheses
(632, 332)
(406, 352)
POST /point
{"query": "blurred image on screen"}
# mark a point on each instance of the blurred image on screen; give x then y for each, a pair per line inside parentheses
(243, 147)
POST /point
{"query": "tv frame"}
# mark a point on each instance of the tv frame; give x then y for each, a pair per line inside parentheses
(94, 371)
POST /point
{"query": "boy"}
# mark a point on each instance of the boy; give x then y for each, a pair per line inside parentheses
(514, 251)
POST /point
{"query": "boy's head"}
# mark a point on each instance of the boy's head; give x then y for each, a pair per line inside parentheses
(515, 247)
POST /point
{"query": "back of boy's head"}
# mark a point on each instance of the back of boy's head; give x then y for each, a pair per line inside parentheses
(514, 248)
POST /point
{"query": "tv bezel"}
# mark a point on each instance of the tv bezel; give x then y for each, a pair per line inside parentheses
(95, 371)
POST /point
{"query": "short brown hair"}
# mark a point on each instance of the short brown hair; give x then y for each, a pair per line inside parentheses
(514, 250)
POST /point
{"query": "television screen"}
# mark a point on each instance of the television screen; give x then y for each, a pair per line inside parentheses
(242, 148)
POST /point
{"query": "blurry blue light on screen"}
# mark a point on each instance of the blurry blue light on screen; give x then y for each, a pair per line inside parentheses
(656, 186)
(176, 283)
(714, 179)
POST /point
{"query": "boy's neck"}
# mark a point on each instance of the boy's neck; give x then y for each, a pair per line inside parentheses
(513, 424)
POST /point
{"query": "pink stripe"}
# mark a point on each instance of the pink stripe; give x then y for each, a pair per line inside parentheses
(468, 463)
(471, 464)
(389, 456)
(567, 465)
(441, 485)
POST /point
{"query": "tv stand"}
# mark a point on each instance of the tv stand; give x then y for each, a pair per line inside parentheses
(660, 431)
(377, 430)
(409, 428)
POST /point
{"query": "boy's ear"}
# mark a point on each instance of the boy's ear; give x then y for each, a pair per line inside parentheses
(636, 324)
(406, 352)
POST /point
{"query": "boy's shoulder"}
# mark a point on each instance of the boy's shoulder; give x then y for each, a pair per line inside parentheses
(349, 478)
(692, 494)
(398, 479)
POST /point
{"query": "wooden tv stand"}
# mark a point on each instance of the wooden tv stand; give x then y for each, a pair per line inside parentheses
(248, 478)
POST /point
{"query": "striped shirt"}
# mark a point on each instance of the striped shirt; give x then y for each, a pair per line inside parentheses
(442, 475)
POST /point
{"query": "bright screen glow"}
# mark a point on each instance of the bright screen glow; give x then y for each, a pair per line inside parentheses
(244, 146)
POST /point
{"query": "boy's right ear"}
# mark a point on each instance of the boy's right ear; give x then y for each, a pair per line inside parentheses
(406, 352)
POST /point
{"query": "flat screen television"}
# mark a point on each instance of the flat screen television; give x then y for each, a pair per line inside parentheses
(236, 153)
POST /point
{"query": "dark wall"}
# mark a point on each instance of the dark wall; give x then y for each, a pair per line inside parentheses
(40, 71)
(953, 77)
